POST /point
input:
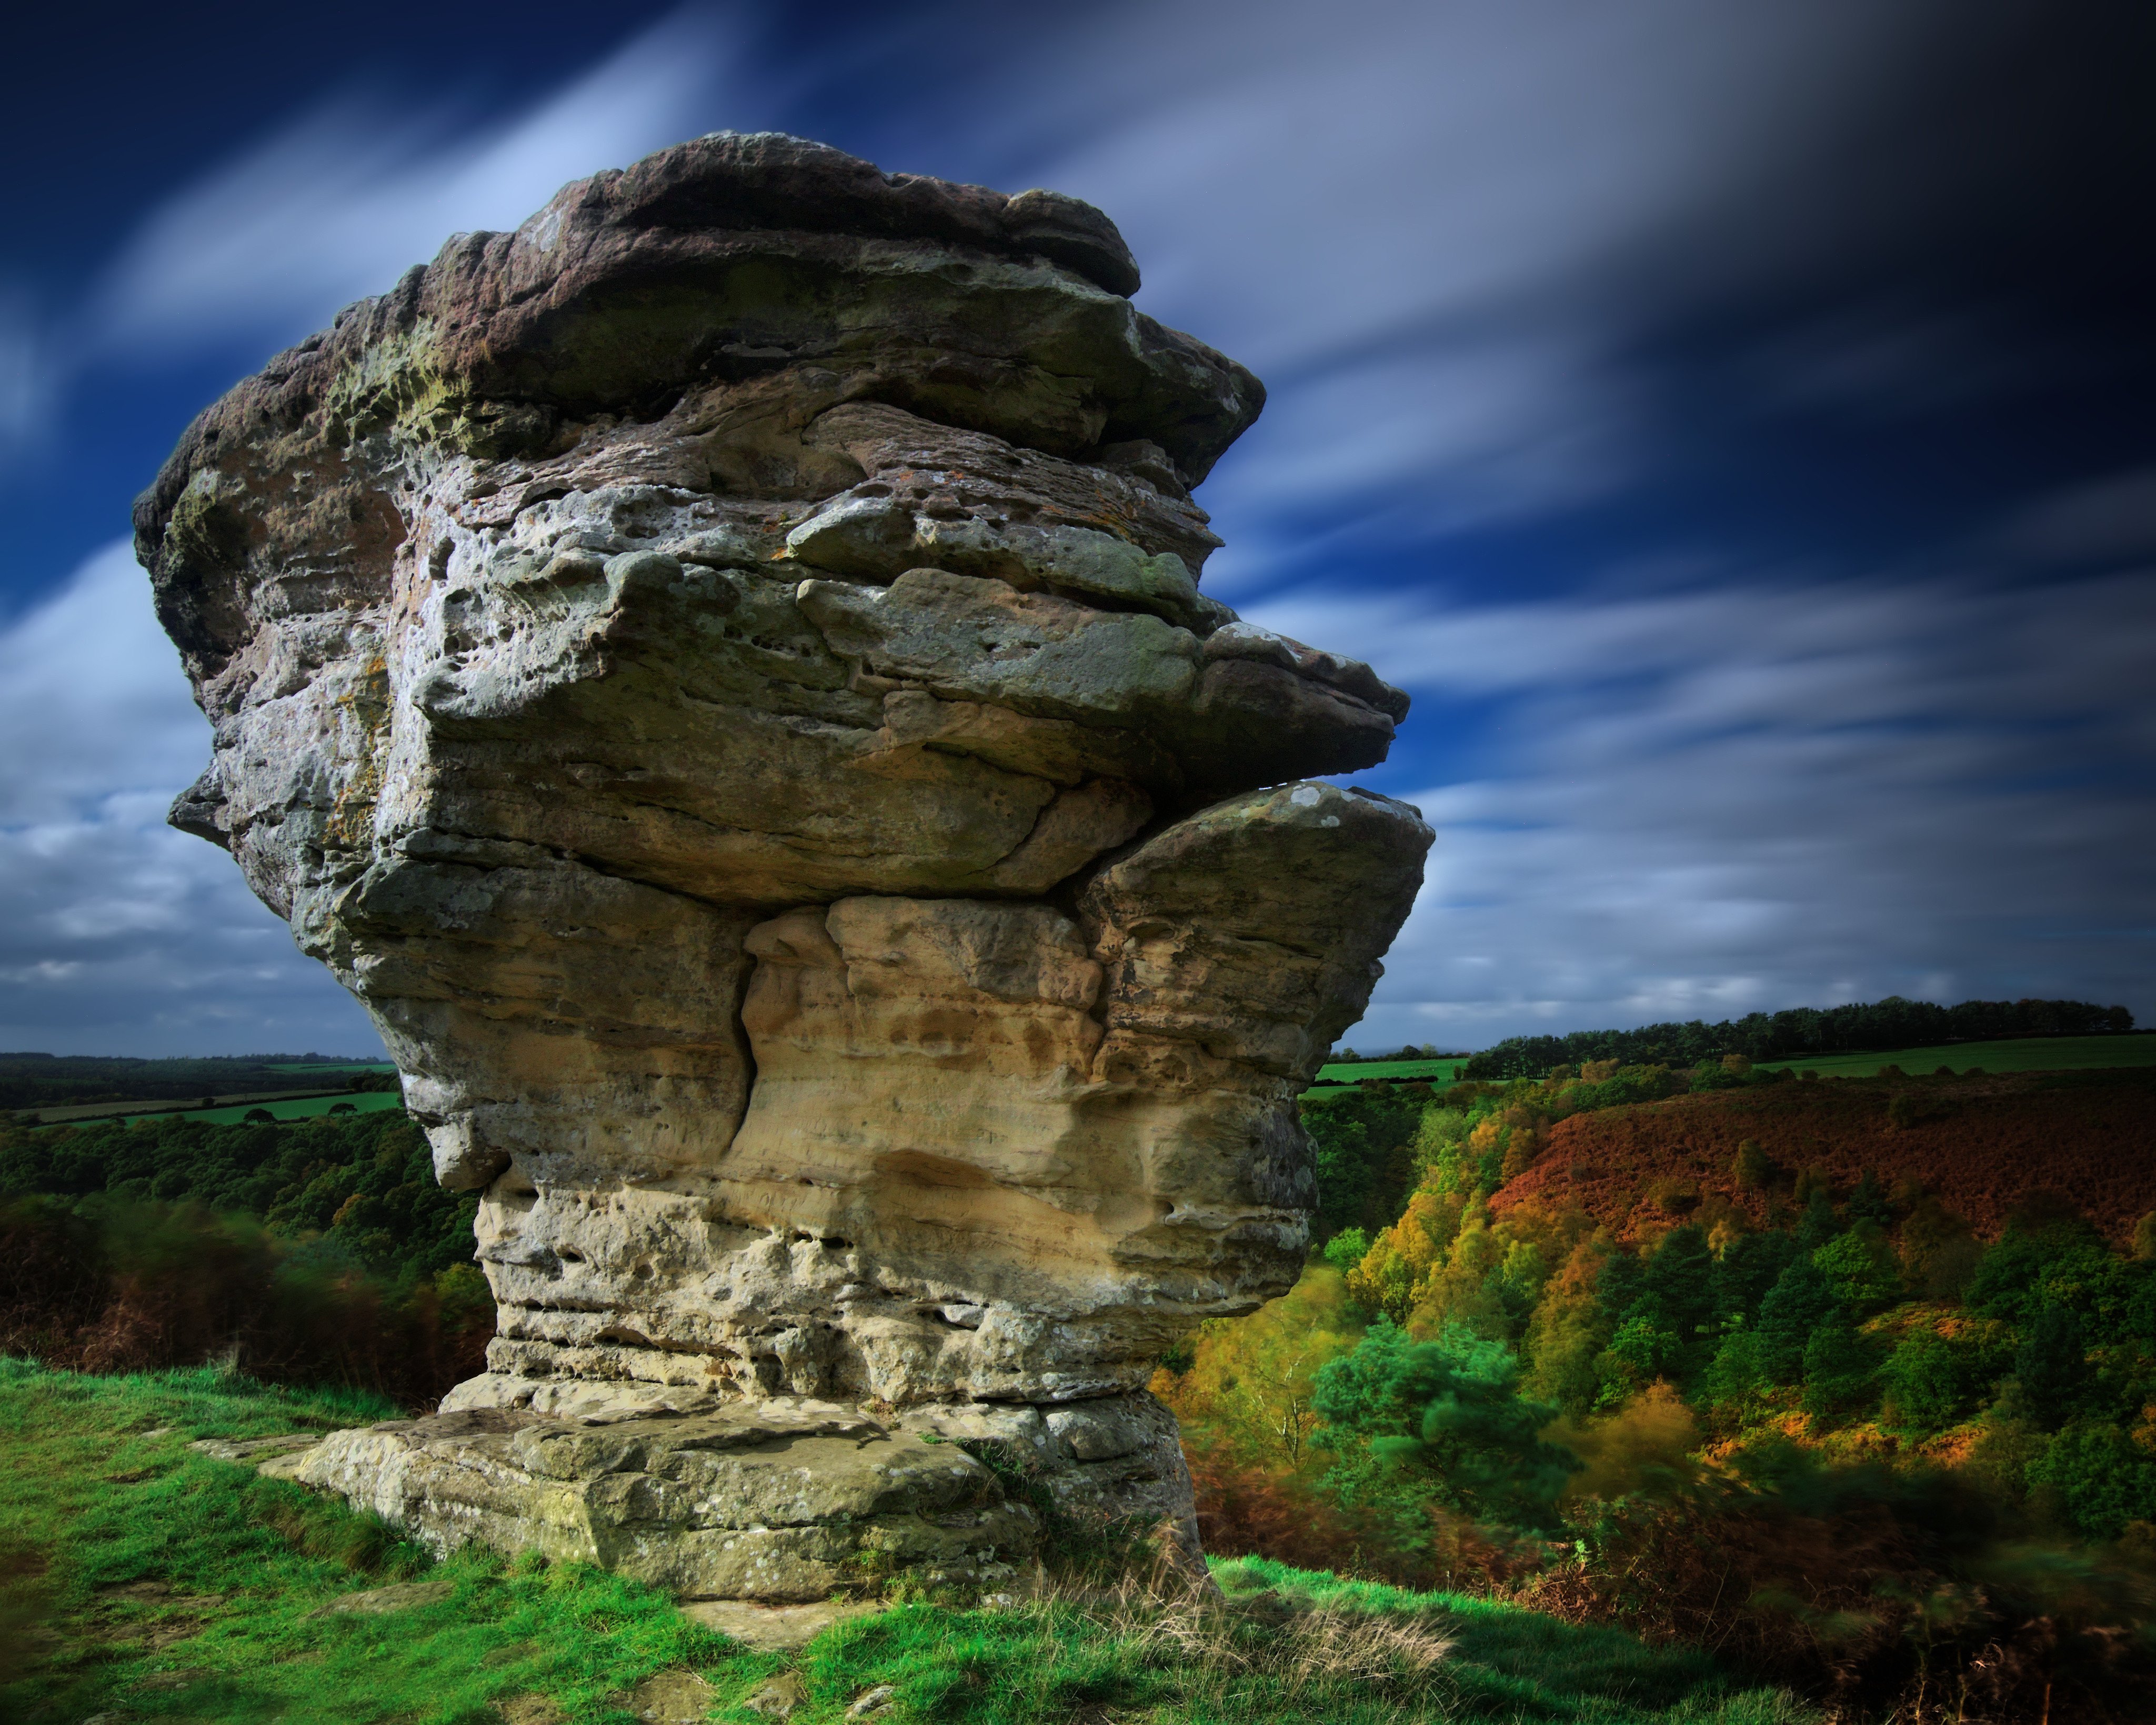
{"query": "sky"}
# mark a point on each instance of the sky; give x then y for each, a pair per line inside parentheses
(1735, 425)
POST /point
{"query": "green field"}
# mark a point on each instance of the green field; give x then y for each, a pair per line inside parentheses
(337, 1067)
(1351, 1071)
(2033, 1053)
(365, 1102)
(141, 1580)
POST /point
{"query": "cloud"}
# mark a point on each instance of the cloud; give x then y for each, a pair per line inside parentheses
(1761, 796)
(1436, 230)
(339, 204)
(116, 932)
(2101, 519)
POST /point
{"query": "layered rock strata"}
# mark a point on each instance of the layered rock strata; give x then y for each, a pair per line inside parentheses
(721, 674)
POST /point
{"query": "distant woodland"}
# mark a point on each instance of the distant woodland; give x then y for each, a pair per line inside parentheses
(1878, 1025)
(43, 1080)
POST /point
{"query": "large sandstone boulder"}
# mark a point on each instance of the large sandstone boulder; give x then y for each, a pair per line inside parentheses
(721, 674)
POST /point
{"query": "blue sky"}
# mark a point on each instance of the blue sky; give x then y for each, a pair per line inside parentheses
(1732, 424)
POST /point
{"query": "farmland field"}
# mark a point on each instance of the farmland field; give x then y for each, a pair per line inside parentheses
(364, 1102)
(1353, 1071)
(2029, 1053)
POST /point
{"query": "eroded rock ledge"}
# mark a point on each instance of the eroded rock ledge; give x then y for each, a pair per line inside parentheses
(721, 674)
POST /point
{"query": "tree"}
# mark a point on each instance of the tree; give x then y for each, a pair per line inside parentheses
(1345, 1249)
(1870, 1202)
(1747, 1267)
(1861, 1268)
(2103, 1479)
(1841, 1370)
(2052, 1364)
(1819, 1225)
(1801, 1300)
(1930, 1383)
(1753, 1168)
(1679, 1278)
(1444, 1420)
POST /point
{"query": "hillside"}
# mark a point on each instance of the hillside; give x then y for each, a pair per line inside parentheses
(1977, 1144)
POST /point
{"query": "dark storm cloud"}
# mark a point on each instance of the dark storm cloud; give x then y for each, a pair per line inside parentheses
(1731, 422)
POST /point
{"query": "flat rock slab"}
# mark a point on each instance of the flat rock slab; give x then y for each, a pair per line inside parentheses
(255, 1450)
(760, 1502)
(379, 1601)
(672, 1699)
(775, 1628)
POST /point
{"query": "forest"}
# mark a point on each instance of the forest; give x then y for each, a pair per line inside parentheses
(1818, 1419)
(318, 1252)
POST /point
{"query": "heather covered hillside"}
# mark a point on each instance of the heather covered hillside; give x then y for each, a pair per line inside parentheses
(1978, 1145)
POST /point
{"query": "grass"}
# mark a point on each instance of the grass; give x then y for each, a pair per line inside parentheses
(2032, 1054)
(140, 1578)
(1349, 1071)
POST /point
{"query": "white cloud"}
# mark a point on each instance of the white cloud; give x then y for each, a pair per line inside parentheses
(1433, 227)
(1758, 797)
(340, 203)
(116, 932)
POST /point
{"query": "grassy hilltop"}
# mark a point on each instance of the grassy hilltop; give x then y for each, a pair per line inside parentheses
(145, 1580)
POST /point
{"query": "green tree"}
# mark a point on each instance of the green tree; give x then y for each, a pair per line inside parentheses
(1869, 1200)
(1930, 1383)
(1819, 1224)
(1749, 1266)
(1733, 1378)
(1443, 1419)
(2100, 1477)
(1345, 1249)
(2052, 1364)
(1841, 1370)
(1801, 1300)
(1680, 1279)
(1861, 1268)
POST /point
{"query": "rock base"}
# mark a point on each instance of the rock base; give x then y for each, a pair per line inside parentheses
(777, 1501)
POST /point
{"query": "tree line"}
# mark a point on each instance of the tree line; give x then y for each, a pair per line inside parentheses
(1861, 1026)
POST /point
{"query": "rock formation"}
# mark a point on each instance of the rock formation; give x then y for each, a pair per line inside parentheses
(721, 674)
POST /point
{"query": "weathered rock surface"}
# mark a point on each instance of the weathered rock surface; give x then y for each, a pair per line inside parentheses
(721, 674)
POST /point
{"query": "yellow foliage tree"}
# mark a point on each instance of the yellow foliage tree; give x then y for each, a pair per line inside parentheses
(1247, 1394)
(1395, 1271)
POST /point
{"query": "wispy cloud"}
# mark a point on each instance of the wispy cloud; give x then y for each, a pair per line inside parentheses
(1435, 228)
(1767, 795)
(339, 204)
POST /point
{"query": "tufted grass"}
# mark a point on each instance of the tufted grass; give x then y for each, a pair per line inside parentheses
(142, 1580)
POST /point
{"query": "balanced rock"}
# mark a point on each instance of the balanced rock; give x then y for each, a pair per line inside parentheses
(721, 674)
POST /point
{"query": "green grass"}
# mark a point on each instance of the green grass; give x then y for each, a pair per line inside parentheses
(1348, 1071)
(139, 1578)
(2032, 1054)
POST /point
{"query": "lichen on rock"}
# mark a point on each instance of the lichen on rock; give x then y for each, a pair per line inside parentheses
(722, 675)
